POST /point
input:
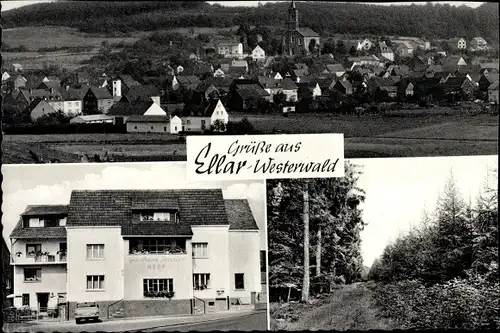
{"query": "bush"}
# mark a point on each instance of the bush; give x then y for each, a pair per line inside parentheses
(470, 303)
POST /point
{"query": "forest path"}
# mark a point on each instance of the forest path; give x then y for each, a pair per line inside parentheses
(350, 308)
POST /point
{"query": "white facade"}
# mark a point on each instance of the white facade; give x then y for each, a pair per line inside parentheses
(5, 76)
(155, 110)
(316, 91)
(258, 53)
(69, 107)
(117, 88)
(219, 113)
(364, 45)
(80, 265)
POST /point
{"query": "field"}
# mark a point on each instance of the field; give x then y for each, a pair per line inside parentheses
(395, 136)
(368, 136)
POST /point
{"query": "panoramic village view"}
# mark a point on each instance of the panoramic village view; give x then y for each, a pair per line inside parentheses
(127, 81)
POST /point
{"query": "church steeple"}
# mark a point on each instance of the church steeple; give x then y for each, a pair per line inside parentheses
(293, 17)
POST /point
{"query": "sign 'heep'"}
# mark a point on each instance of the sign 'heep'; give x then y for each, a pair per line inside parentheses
(265, 156)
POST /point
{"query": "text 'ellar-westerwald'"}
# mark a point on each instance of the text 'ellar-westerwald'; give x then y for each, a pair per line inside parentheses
(265, 156)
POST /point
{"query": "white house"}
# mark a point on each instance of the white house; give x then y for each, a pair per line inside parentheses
(258, 54)
(142, 252)
(316, 91)
(364, 45)
(92, 119)
(5, 76)
(154, 124)
(39, 108)
(219, 113)
(229, 49)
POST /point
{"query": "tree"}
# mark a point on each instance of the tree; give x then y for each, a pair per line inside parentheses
(329, 46)
(353, 51)
(340, 47)
(219, 126)
(279, 98)
(305, 283)
(312, 46)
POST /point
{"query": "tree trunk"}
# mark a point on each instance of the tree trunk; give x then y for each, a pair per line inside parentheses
(318, 258)
(305, 284)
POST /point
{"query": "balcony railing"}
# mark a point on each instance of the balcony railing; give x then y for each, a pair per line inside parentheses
(168, 251)
(39, 259)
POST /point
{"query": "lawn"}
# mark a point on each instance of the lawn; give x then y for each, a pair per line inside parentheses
(350, 308)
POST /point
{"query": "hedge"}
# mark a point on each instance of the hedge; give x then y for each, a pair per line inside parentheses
(63, 129)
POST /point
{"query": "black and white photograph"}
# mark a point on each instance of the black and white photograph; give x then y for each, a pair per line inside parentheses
(397, 244)
(131, 247)
(127, 81)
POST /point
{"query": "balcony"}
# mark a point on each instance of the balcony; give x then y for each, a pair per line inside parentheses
(22, 259)
(158, 251)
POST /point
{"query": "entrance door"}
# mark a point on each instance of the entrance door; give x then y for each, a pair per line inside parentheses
(221, 304)
(43, 301)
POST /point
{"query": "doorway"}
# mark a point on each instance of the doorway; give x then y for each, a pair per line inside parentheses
(43, 301)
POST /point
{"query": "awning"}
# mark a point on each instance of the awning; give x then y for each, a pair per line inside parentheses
(14, 295)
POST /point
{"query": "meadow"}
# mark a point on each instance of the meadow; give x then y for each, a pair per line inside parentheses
(367, 136)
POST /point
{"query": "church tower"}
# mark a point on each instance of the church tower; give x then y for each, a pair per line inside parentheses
(293, 17)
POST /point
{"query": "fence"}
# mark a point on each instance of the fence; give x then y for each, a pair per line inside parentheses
(24, 314)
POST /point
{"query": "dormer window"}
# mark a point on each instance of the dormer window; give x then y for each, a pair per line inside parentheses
(47, 221)
(156, 216)
(35, 222)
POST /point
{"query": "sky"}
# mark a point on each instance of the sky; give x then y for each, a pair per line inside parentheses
(52, 184)
(399, 189)
(6, 5)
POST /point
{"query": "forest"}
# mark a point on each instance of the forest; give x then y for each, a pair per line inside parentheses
(327, 18)
(334, 232)
(442, 273)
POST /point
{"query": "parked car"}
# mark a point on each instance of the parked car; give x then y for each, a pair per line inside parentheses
(86, 311)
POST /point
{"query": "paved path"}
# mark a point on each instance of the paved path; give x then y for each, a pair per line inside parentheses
(230, 320)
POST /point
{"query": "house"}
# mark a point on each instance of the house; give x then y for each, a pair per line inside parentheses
(193, 248)
(486, 80)
(454, 62)
(364, 45)
(39, 108)
(372, 60)
(415, 42)
(386, 51)
(457, 43)
(416, 63)
(245, 94)
(230, 49)
(397, 70)
(217, 112)
(493, 92)
(336, 69)
(459, 84)
(409, 89)
(258, 54)
(298, 39)
(154, 124)
(92, 119)
(478, 44)
(97, 100)
(488, 67)
(219, 73)
(5, 76)
(308, 87)
(405, 49)
(344, 87)
(122, 111)
(142, 93)
(7, 277)
(189, 82)
(274, 86)
(19, 82)
(17, 68)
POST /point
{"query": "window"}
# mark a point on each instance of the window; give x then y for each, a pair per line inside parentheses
(135, 127)
(212, 303)
(161, 216)
(62, 222)
(157, 285)
(158, 246)
(200, 250)
(35, 222)
(299, 41)
(201, 281)
(239, 281)
(292, 39)
(33, 249)
(26, 299)
(164, 129)
(95, 282)
(95, 251)
(32, 274)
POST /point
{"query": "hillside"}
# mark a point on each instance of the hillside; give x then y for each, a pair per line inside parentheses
(439, 21)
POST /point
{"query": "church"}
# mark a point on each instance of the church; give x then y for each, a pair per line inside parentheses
(298, 39)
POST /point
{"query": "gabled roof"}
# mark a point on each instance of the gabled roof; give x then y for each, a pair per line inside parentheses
(240, 215)
(492, 77)
(493, 86)
(128, 80)
(41, 210)
(143, 93)
(136, 108)
(307, 32)
(489, 65)
(114, 208)
(148, 119)
(333, 68)
(101, 93)
(250, 90)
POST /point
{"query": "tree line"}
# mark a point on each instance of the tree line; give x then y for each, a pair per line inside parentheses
(430, 20)
(314, 230)
(444, 273)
